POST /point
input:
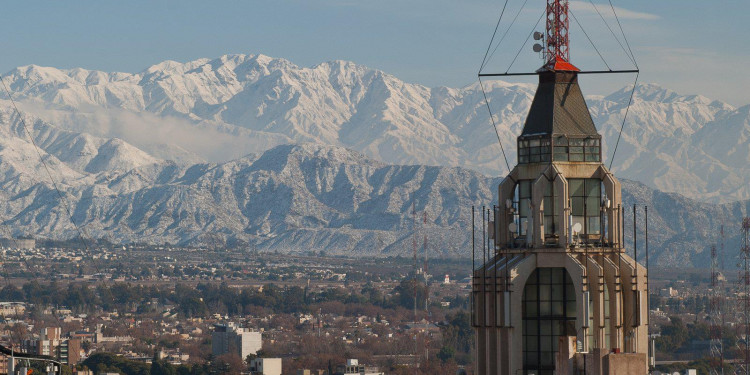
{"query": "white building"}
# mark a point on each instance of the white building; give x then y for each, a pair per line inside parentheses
(265, 366)
(228, 338)
(353, 367)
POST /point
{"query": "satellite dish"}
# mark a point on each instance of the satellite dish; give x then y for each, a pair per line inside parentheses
(508, 203)
(538, 35)
(512, 227)
(538, 47)
(577, 228)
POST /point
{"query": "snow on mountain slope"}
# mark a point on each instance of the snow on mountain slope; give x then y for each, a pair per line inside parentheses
(239, 104)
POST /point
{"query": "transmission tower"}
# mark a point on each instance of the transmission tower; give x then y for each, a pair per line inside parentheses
(716, 313)
(743, 300)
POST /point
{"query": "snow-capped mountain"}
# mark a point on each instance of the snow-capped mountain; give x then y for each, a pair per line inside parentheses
(220, 109)
(201, 153)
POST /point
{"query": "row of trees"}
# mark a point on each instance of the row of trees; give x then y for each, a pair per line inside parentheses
(207, 298)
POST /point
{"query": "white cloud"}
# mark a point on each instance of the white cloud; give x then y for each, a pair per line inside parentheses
(606, 11)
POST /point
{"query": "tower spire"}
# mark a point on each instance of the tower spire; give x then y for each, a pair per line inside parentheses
(557, 40)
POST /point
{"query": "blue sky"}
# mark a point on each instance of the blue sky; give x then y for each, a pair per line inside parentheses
(693, 47)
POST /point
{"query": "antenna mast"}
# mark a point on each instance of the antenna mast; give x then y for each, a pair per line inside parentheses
(743, 298)
(557, 40)
(716, 314)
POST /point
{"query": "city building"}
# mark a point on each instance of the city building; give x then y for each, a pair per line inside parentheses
(265, 366)
(228, 338)
(558, 294)
(352, 367)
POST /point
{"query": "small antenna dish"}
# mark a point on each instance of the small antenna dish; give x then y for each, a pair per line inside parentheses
(577, 228)
(512, 227)
(538, 35)
(538, 47)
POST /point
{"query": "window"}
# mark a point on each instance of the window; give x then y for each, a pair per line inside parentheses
(577, 149)
(585, 203)
(536, 150)
(549, 311)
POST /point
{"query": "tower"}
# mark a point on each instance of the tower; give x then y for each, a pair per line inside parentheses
(559, 294)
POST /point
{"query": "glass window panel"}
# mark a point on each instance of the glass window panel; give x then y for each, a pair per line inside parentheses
(575, 157)
(592, 142)
(544, 275)
(535, 150)
(523, 208)
(545, 308)
(532, 328)
(558, 275)
(544, 149)
(531, 309)
(592, 157)
(557, 308)
(545, 292)
(592, 206)
(594, 225)
(577, 205)
(546, 343)
(530, 292)
(561, 149)
(544, 157)
(534, 143)
(592, 150)
(523, 151)
(523, 159)
(562, 141)
(557, 292)
(576, 187)
(545, 359)
(525, 189)
(532, 345)
(576, 150)
(576, 142)
(593, 187)
(561, 156)
(531, 358)
(578, 220)
(534, 159)
(545, 327)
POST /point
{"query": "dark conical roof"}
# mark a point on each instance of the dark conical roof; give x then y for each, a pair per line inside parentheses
(559, 107)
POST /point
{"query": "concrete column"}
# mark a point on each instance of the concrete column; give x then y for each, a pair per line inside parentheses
(596, 291)
(562, 208)
(614, 287)
(537, 198)
(576, 270)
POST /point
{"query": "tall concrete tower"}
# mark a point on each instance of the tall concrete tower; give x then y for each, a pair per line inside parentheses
(558, 293)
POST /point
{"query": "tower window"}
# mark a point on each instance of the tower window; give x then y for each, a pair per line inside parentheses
(585, 205)
(577, 149)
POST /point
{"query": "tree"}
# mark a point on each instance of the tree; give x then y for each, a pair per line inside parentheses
(161, 367)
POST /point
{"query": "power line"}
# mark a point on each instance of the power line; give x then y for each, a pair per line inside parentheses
(590, 41)
(622, 126)
(494, 125)
(484, 61)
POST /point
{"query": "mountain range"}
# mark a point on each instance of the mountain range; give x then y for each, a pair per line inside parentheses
(254, 150)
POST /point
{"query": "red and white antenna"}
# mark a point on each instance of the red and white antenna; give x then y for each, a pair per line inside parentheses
(557, 39)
